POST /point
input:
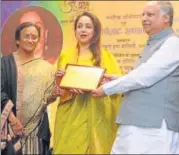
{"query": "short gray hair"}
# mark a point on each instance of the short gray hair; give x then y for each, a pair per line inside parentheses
(166, 8)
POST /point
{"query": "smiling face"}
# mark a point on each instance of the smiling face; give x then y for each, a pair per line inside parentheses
(152, 19)
(33, 17)
(84, 30)
(29, 38)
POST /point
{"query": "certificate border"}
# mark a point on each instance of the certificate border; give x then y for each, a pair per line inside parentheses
(69, 64)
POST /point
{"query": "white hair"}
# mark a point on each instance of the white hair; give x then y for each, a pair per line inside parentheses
(166, 9)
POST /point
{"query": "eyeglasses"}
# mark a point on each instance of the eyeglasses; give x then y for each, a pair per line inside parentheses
(32, 37)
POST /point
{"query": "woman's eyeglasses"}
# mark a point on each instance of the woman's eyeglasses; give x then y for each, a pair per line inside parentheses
(32, 37)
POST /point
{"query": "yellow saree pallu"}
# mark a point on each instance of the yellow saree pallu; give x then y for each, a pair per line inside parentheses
(85, 124)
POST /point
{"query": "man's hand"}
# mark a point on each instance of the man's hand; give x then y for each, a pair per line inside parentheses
(110, 77)
(107, 78)
(99, 92)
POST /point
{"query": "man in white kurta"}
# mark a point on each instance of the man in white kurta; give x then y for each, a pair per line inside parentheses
(149, 114)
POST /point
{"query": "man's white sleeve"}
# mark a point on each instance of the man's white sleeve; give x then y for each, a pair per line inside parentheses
(163, 62)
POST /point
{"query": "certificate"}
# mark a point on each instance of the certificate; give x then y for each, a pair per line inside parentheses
(82, 77)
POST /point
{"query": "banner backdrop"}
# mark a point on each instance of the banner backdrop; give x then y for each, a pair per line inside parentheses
(122, 32)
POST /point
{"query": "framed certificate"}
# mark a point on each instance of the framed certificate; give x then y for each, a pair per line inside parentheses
(82, 77)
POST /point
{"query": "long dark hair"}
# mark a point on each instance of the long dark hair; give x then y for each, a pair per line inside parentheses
(95, 42)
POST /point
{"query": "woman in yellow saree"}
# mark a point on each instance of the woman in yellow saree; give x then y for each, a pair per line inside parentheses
(85, 124)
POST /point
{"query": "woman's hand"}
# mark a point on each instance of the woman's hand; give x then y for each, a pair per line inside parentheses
(56, 92)
(60, 73)
(58, 76)
(16, 125)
